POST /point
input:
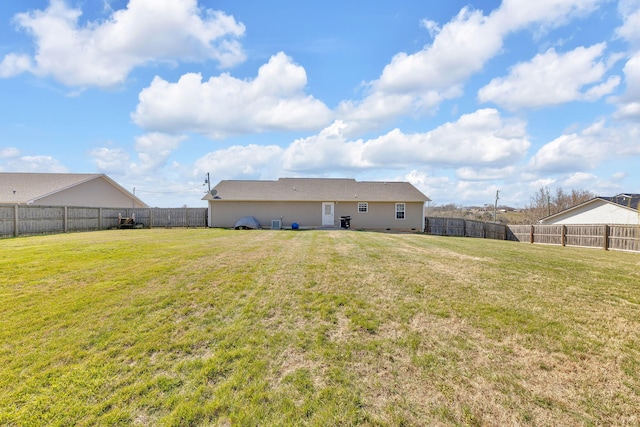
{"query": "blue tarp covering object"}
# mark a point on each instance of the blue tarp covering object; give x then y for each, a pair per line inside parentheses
(247, 223)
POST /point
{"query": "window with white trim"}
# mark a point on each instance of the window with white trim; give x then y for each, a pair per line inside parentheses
(400, 209)
(363, 207)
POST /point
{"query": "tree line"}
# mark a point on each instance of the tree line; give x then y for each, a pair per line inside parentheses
(543, 203)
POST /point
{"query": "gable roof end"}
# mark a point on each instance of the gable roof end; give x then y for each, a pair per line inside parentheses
(28, 188)
(630, 201)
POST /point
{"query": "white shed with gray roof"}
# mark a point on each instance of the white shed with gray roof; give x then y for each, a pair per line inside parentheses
(319, 202)
(619, 209)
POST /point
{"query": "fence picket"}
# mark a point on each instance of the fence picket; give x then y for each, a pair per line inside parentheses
(24, 220)
(611, 236)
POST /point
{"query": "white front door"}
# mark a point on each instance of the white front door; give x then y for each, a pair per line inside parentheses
(327, 214)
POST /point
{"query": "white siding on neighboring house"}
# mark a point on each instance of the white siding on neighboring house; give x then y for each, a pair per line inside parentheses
(596, 212)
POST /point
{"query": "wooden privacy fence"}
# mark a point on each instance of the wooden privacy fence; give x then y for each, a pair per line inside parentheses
(19, 220)
(605, 236)
(615, 237)
(465, 228)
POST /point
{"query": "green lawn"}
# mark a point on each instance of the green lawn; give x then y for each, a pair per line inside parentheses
(204, 327)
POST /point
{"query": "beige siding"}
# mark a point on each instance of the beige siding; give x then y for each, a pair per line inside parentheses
(381, 216)
(94, 193)
(225, 214)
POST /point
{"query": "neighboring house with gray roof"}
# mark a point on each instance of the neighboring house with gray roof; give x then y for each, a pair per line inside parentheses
(65, 189)
(318, 202)
(620, 209)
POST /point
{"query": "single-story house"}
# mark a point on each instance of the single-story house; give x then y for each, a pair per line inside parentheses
(620, 209)
(317, 203)
(65, 189)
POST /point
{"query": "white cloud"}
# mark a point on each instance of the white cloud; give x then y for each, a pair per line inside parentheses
(374, 110)
(629, 103)
(551, 78)
(422, 80)
(580, 152)
(13, 64)
(250, 162)
(481, 138)
(579, 180)
(154, 149)
(443, 190)
(626, 140)
(484, 174)
(12, 160)
(463, 45)
(460, 48)
(630, 11)
(430, 185)
(8, 152)
(629, 110)
(602, 186)
(110, 160)
(329, 149)
(33, 164)
(431, 26)
(224, 105)
(102, 53)
(516, 14)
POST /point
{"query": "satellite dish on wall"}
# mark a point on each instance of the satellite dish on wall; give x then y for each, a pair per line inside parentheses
(214, 192)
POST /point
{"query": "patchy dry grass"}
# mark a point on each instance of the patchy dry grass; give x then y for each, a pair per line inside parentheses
(225, 327)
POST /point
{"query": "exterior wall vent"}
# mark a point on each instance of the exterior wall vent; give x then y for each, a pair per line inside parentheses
(276, 224)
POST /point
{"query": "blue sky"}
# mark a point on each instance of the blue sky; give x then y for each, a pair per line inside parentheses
(459, 98)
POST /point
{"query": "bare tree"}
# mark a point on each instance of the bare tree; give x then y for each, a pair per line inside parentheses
(539, 205)
(544, 204)
(565, 200)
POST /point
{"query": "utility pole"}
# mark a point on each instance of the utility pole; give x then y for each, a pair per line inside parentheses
(495, 207)
(207, 181)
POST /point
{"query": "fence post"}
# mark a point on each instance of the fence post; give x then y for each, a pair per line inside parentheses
(563, 237)
(16, 221)
(605, 245)
(531, 231)
(65, 220)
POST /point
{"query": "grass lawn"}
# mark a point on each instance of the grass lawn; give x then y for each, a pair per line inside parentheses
(204, 327)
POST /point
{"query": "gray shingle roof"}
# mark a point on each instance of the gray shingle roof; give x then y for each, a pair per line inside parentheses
(628, 200)
(317, 189)
(23, 187)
